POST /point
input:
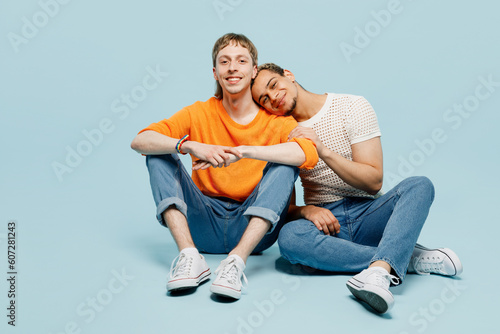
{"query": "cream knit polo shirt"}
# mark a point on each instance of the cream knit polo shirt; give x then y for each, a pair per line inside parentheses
(342, 121)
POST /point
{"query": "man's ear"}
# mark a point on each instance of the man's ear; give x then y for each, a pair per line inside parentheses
(215, 75)
(289, 75)
(254, 71)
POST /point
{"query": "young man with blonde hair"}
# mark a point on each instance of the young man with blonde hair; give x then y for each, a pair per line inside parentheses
(344, 226)
(238, 209)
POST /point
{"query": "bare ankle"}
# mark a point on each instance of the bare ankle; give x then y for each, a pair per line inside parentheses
(381, 264)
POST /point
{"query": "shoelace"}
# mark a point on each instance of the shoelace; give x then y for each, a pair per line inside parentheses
(230, 272)
(182, 267)
(383, 279)
(425, 265)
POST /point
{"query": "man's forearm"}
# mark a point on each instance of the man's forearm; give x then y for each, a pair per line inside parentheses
(358, 175)
(153, 143)
(287, 153)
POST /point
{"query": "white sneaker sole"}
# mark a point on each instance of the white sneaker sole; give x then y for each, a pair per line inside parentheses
(379, 299)
(188, 283)
(457, 264)
(225, 291)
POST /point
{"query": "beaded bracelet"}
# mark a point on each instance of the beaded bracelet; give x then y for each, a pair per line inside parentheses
(179, 144)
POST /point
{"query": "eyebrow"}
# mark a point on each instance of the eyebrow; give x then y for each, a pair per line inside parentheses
(267, 85)
(235, 56)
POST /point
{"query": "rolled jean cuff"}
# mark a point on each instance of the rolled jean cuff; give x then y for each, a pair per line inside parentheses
(167, 202)
(263, 213)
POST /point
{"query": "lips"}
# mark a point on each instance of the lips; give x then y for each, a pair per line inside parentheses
(233, 80)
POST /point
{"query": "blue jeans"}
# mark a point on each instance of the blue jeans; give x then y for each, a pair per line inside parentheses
(217, 224)
(385, 228)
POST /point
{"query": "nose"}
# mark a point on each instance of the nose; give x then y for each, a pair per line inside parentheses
(273, 97)
(231, 66)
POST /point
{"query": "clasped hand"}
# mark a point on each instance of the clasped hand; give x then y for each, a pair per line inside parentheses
(214, 156)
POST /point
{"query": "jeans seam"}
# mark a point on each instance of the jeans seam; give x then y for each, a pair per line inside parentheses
(396, 197)
(225, 233)
(347, 218)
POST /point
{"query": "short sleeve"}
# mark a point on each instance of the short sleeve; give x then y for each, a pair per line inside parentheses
(176, 126)
(362, 121)
(305, 144)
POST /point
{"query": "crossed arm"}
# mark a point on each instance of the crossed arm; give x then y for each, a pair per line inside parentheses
(152, 142)
(364, 172)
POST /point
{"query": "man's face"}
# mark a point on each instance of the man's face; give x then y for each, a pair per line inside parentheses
(275, 93)
(234, 69)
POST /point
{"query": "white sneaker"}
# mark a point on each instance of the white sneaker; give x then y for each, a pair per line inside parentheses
(189, 272)
(372, 286)
(441, 261)
(228, 281)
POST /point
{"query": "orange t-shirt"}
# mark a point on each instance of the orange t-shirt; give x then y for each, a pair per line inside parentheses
(208, 123)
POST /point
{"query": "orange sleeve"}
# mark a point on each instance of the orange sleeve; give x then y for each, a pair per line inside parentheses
(305, 144)
(176, 126)
(309, 150)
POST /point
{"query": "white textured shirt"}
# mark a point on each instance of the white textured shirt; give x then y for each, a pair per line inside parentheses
(343, 120)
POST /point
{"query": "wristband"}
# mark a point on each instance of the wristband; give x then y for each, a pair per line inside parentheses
(180, 142)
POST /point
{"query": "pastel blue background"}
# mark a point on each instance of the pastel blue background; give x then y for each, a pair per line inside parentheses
(75, 235)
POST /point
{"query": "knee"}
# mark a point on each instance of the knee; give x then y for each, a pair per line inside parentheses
(155, 161)
(152, 160)
(284, 170)
(423, 185)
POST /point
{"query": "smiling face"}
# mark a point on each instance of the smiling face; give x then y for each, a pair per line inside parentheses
(275, 93)
(234, 69)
